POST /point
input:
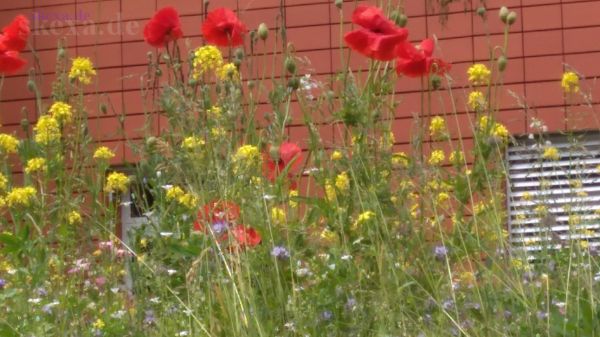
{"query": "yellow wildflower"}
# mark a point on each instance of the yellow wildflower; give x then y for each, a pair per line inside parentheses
(342, 182)
(116, 182)
(442, 197)
(144, 242)
(551, 153)
(278, 216)
(36, 165)
(500, 131)
(188, 200)
(8, 143)
(83, 70)
(479, 74)
(330, 193)
(47, 130)
(400, 159)
(527, 196)
(103, 153)
(363, 217)
(328, 236)
(174, 193)
(247, 153)
(74, 218)
(292, 195)
(336, 155)
(192, 143)
(206, 58)
(20, 196)
(457, 158)
(437, 157)
(228, 72)
(570, 82)
(62, 112)
(3, 182)
(387, 140)
(437, 127)
(99, 324)
(541, 210)
(97, 252)
(476, 100)
(2, 202)
(214, 111)
(484, 122)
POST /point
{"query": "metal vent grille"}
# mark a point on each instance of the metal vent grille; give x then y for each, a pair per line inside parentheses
(554, 203)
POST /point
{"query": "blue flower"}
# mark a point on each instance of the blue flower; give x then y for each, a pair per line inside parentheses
(440, 252)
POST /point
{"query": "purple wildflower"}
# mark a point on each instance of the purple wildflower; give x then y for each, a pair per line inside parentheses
(219, 227)
(2, 283)
(351, 304)
(440, 252)
(326, 315)
(149, 319)
(280, 253)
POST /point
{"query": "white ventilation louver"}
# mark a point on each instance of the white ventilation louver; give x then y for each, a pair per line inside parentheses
(567, 189)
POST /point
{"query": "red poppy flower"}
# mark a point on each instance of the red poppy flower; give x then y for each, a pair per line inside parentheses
(289, 154)
(378, 36)
(10, 62)
(246, 236)
(417, 61)
(216, 211)
(15, 35)
(223, 28)
(163, 28)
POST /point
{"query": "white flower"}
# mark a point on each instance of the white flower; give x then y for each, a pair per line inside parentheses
(346, 257)
(167, 187)
(268, 197)
(183, 333)
(171, 271)
(34, 300)
(166, 234)
(155, 300)
(118, 314)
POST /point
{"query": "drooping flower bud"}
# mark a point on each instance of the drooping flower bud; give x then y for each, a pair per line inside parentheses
(290, 65)
(436, 82)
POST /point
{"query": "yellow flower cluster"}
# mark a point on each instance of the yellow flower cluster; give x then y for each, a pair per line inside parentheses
(99, 324)
(3, 182)
(74, 218)
(192, 143)
(476, 100)
(551, 153)
(363, 217)
(174, 193)
(47, 130)
(214, 112)
(185, 199)
(387, 140)
(21, 196)
(292, 195)
(342, 182)
(116, 182)
(400, 159)
(62, 112)
(336, 155)
(479, 74)
(82, 70)
(206, 58)
(500, 131)
(228, 72)
(457, 158)
(437, 127)
(247, 155)
(8, 143)
(570, 82)
(437, 157)
(103, 153)
(278, 216)
(36, 165)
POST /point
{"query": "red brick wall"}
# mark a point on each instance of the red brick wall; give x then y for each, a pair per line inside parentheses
(547, 35)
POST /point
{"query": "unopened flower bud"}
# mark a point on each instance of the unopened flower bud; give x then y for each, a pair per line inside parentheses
(511, 18)
(151, 142)
(290, 65)
(237, 63)
(399, 18)
(338, 3)
(274, 153)
(239, 53)
(158, 72)
(263, 31)
(436, 82)
(25, 125)
(149, 55)
(31, 85)
(503, 13)
(61, 53)
(481, 11)
(502, 62)
(103, 108)
(250, 85)
(294, 83)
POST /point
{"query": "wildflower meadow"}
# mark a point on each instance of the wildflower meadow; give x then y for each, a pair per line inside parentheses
(246, 233)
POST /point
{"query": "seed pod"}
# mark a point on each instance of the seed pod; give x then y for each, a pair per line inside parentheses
(294, 83)
(511, 18)
(338, 3)
(274, 152)
(290, 65)
(263, 31)
(502, 62)
(503, 13)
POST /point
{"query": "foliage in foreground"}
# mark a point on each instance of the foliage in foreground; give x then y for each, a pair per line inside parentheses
(247, 235)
